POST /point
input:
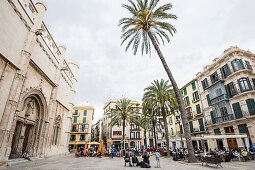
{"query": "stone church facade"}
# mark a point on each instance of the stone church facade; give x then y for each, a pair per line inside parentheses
(37, 84)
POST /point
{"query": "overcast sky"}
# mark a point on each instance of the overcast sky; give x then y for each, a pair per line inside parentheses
(205, 28)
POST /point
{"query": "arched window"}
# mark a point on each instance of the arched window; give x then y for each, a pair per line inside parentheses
(56, 130)
(237, 64)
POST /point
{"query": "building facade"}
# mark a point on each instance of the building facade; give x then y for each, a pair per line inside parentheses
(112, 135)
(37, 84)
(194, 111)
(227, 94)
(80, 132)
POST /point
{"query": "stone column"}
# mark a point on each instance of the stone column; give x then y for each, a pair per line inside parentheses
(7, 125)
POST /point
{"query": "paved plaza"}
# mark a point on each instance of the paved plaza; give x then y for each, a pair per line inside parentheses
(105, 163)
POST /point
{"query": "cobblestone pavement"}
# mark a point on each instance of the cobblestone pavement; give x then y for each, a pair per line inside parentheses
(105, 163)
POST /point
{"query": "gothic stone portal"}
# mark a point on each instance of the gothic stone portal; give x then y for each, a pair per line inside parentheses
(28, 128)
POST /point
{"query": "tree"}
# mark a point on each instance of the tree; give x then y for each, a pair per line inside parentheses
(160, 92)
(123, 114)
(149, 117)
(148, 25)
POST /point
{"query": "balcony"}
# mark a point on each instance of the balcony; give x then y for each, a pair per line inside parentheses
(189, 115)
(218, 80)
(224, 118)
(219, 98)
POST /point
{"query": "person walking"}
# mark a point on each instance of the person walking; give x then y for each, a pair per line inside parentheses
(157, 155)
(112, 153)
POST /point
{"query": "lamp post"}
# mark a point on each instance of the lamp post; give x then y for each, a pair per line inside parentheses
(178, 119)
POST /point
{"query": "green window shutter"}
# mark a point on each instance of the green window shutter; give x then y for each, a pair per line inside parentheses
(243, 128)
(222, 74)
(241, 63)
(240, 87)
(193, 86)
(75, 119)
(249, 83)
(198, 108)
(233, 66)
(208, 100)
(194, 99)
(227, 91)
(191, 126)
(76, 112)
(201, 124)
(212, 117)
(84, 119)
(203, 84)
(227, 67)
(187, 99)
(251, 106)
(237, 110)
(197, 95)
(85, 112)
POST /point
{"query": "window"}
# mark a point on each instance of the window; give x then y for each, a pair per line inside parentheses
(72, 137)
(119, 133)
(132, 135)
(224, 112)
(225, 71)
(132, 126)
(172, 131)
(230, 90)
(73, 128)
(244, 84)
(55, 135)
(191, 126)
(201, 124)
(195, 96)
(198, 108)
(218, 92)
(253, 81)
(237, 110)
(76, 112)
(150, 133)
(84, 119)
(208, 100)
(186, 101)
(205, 83)
(214, 77)
(82, 137)
(170, 120)
(251, 106)
(184, 91)
(193, 86)
(138, 135)
(217, 131)
(137, 127)
(243, 129)
(248, 65)
(85, 113)
(75, 120)
(237, 64)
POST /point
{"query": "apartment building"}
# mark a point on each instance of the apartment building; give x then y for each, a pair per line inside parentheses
(112, 135)
(80, 132)
(227, 90)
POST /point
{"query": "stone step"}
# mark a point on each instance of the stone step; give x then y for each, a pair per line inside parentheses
(18, 161)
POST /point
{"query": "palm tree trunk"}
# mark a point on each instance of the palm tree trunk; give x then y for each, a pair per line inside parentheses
(166, 130)
(145, 137)
(192, 157)
(123, 135)
(154, 134)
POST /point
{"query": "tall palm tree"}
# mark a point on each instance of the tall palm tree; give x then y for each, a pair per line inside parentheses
(150, 114)
(147, 25)
(160, 92)
(124, 113)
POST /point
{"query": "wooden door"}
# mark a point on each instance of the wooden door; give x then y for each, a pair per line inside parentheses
(26, 138)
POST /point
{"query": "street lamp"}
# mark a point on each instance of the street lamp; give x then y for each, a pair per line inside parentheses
(178, 120)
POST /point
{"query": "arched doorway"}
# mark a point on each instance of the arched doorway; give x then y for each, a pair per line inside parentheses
(29, 125)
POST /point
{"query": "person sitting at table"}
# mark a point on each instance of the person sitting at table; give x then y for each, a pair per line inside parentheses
(244, 154)
(229, 156)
